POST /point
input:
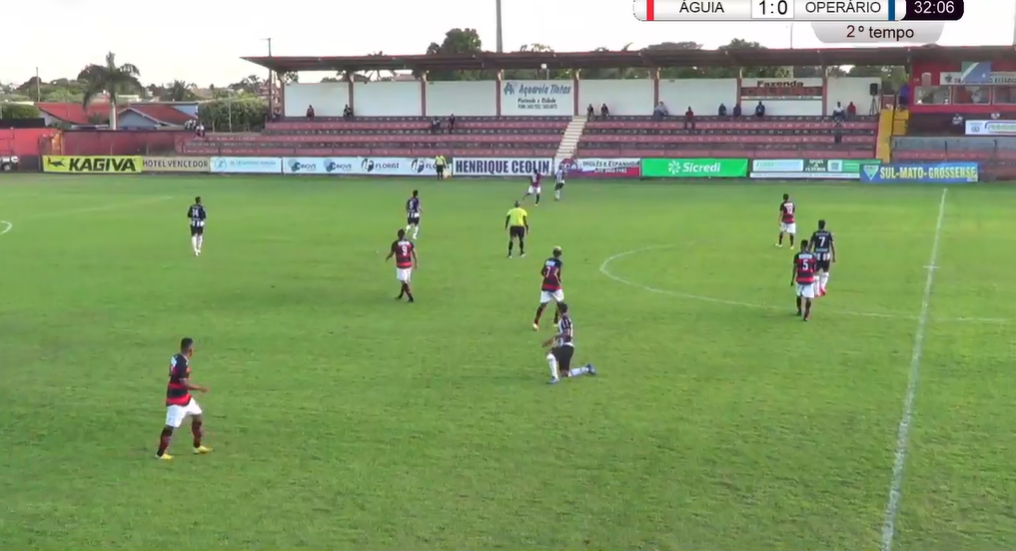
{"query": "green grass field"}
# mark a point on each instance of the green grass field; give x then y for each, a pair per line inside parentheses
(342, 419)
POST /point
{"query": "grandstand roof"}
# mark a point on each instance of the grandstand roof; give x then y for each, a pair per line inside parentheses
(641, 58)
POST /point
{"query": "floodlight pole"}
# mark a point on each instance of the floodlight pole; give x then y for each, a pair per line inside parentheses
(500, 41)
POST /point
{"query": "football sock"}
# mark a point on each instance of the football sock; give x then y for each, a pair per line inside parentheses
(779, 240)
(807, 309)
(201, 241)
(522, 245)
(799, 304)
(539, 313)
(164, 439)
(577, 371)
(557, 316)
(791, 240)
(195, 429)
(408, 291)
(194, 242)
(537, 198)
(552, 362)
(823, 280)
(511, 245)
(557, 195)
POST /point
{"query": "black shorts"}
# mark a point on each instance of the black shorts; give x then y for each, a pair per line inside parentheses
(823, 265)
(558, 186)
(517, 231)
(563, 354)
(197, 230)
(440, 169)
(413, 220)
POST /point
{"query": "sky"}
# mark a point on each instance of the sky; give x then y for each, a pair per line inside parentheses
(201, 41)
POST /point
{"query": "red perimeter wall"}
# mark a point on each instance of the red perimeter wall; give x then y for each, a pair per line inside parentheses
(24, 142)
(119, 142)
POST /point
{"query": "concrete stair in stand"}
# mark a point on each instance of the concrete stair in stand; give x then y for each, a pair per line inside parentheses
(572, 135)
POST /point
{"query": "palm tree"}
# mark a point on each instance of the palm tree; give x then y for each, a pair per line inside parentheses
(112, 79)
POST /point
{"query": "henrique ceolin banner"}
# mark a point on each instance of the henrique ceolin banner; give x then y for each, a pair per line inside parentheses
(932, 173)
(694, 168)
(111, 164)
(502, 167)
(602, 168)
(177, 164)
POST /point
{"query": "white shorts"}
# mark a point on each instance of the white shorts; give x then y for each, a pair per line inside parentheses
(403, 274)
(176, 414)
(534, 190)
(790, 228)
(806, 290)
(547, 296)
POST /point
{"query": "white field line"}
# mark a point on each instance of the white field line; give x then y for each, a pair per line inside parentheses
(8, 226)
(99, 208)
(605, 270)
(892, 507)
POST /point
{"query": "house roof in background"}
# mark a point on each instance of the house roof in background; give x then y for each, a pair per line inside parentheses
(642, 58)
(160, 113)
(75, 113)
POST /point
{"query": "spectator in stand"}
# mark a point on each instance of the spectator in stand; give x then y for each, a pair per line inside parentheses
(838, 133)
(839, 113)
(347, 112)
(310, 112)
(851, 110)
(958, 125)
(435, 125)
(590, 112)
(660, 111)
(903, 99)
(737, 110)
(689, 119)
(760, 110)
(199, 131)
(722, 111)
(451, 123)
(604, 112)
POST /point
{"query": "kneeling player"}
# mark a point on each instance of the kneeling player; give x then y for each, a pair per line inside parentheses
(803, 276)
(405, 262)
(562, 348)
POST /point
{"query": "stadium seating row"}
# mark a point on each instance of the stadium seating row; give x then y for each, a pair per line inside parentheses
(816, 137)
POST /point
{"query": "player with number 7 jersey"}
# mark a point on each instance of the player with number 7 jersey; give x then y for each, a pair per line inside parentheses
(405, 262)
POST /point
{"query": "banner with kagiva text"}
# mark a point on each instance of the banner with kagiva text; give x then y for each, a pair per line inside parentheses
(177, 164)
(104, 164)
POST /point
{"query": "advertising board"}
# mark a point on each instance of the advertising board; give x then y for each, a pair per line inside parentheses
(813, 169)
(602, 168)
(991, 128)
(930, 173)
(360, 166)
(246, 165)
(495, 166)
(177, 164)
(694, 168)
(92, 164)
(336, 166)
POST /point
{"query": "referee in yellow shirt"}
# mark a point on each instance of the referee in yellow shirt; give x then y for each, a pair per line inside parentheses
(517, 224)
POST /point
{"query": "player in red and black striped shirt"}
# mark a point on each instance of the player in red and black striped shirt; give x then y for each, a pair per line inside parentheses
(405, 262)
(551, 289)
(803, 276)
(179, 402)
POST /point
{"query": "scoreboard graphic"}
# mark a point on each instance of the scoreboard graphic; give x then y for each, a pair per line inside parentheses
(834, 21)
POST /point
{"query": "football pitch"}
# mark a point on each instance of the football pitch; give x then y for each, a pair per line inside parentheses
(343, 419)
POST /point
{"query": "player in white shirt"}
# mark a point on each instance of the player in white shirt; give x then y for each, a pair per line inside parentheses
(559, 183)
(534, 187)
(562, 348)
